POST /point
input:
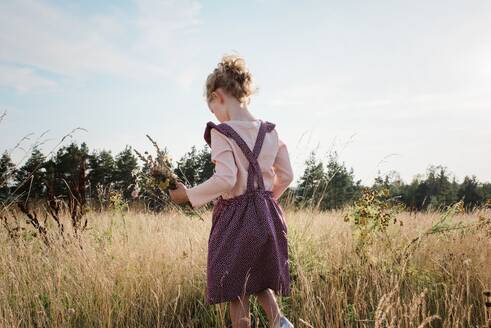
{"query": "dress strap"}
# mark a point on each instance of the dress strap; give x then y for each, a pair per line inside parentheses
(228, 131)
(254, 168)
(251, 174)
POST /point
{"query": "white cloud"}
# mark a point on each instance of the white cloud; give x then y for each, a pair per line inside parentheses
(43, 36)
(22, 79)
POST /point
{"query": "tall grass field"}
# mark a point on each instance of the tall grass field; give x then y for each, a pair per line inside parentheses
(130, 268)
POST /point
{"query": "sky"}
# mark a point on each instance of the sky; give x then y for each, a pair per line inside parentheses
(389, 85)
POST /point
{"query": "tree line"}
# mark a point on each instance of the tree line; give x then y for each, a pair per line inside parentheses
(75, 172)
(332, 185)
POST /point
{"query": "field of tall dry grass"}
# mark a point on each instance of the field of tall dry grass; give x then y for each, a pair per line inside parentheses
(136, 269)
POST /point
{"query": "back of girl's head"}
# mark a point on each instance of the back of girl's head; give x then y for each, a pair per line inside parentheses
(232, 75)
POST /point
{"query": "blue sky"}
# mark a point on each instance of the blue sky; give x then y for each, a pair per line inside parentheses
(390, 85)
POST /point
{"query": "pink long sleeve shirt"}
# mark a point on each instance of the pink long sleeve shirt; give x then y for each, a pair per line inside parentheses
(231, 165)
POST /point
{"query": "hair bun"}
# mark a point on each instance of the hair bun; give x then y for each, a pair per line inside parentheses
(235, 66)
(232, 75)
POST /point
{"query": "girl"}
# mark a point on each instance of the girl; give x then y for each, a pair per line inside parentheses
(247, 246)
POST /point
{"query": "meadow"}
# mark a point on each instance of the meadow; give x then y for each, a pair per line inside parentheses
(131, 268)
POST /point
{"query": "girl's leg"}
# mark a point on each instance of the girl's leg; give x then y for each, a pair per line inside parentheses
(239, 312)
(268, 302)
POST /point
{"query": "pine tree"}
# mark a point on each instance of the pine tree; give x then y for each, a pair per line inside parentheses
(63, 172)
(124, 179)
(101, 168)
(312, 182)
(469, 192)
(486, 192)
(7, 175)
(341, 187)
(30, 177)
(195, 167)
(206, 168)
(188, 167)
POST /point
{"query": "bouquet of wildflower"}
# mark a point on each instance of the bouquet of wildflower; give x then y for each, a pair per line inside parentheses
(156, 179)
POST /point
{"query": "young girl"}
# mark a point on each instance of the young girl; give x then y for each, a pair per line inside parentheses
(247, 246)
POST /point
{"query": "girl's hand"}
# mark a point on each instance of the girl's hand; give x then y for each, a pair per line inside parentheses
(179, 195)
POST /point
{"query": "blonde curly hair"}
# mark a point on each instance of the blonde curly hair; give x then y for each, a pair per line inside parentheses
(232, 75)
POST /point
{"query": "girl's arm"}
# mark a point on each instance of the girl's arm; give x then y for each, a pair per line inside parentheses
(225, 176)
(283, 170)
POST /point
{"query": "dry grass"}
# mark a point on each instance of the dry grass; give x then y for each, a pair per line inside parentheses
(143, 270)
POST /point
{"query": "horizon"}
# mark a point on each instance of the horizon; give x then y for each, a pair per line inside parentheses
(420, 175)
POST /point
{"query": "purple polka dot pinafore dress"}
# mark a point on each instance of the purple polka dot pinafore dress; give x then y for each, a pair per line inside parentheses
(247, 246)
